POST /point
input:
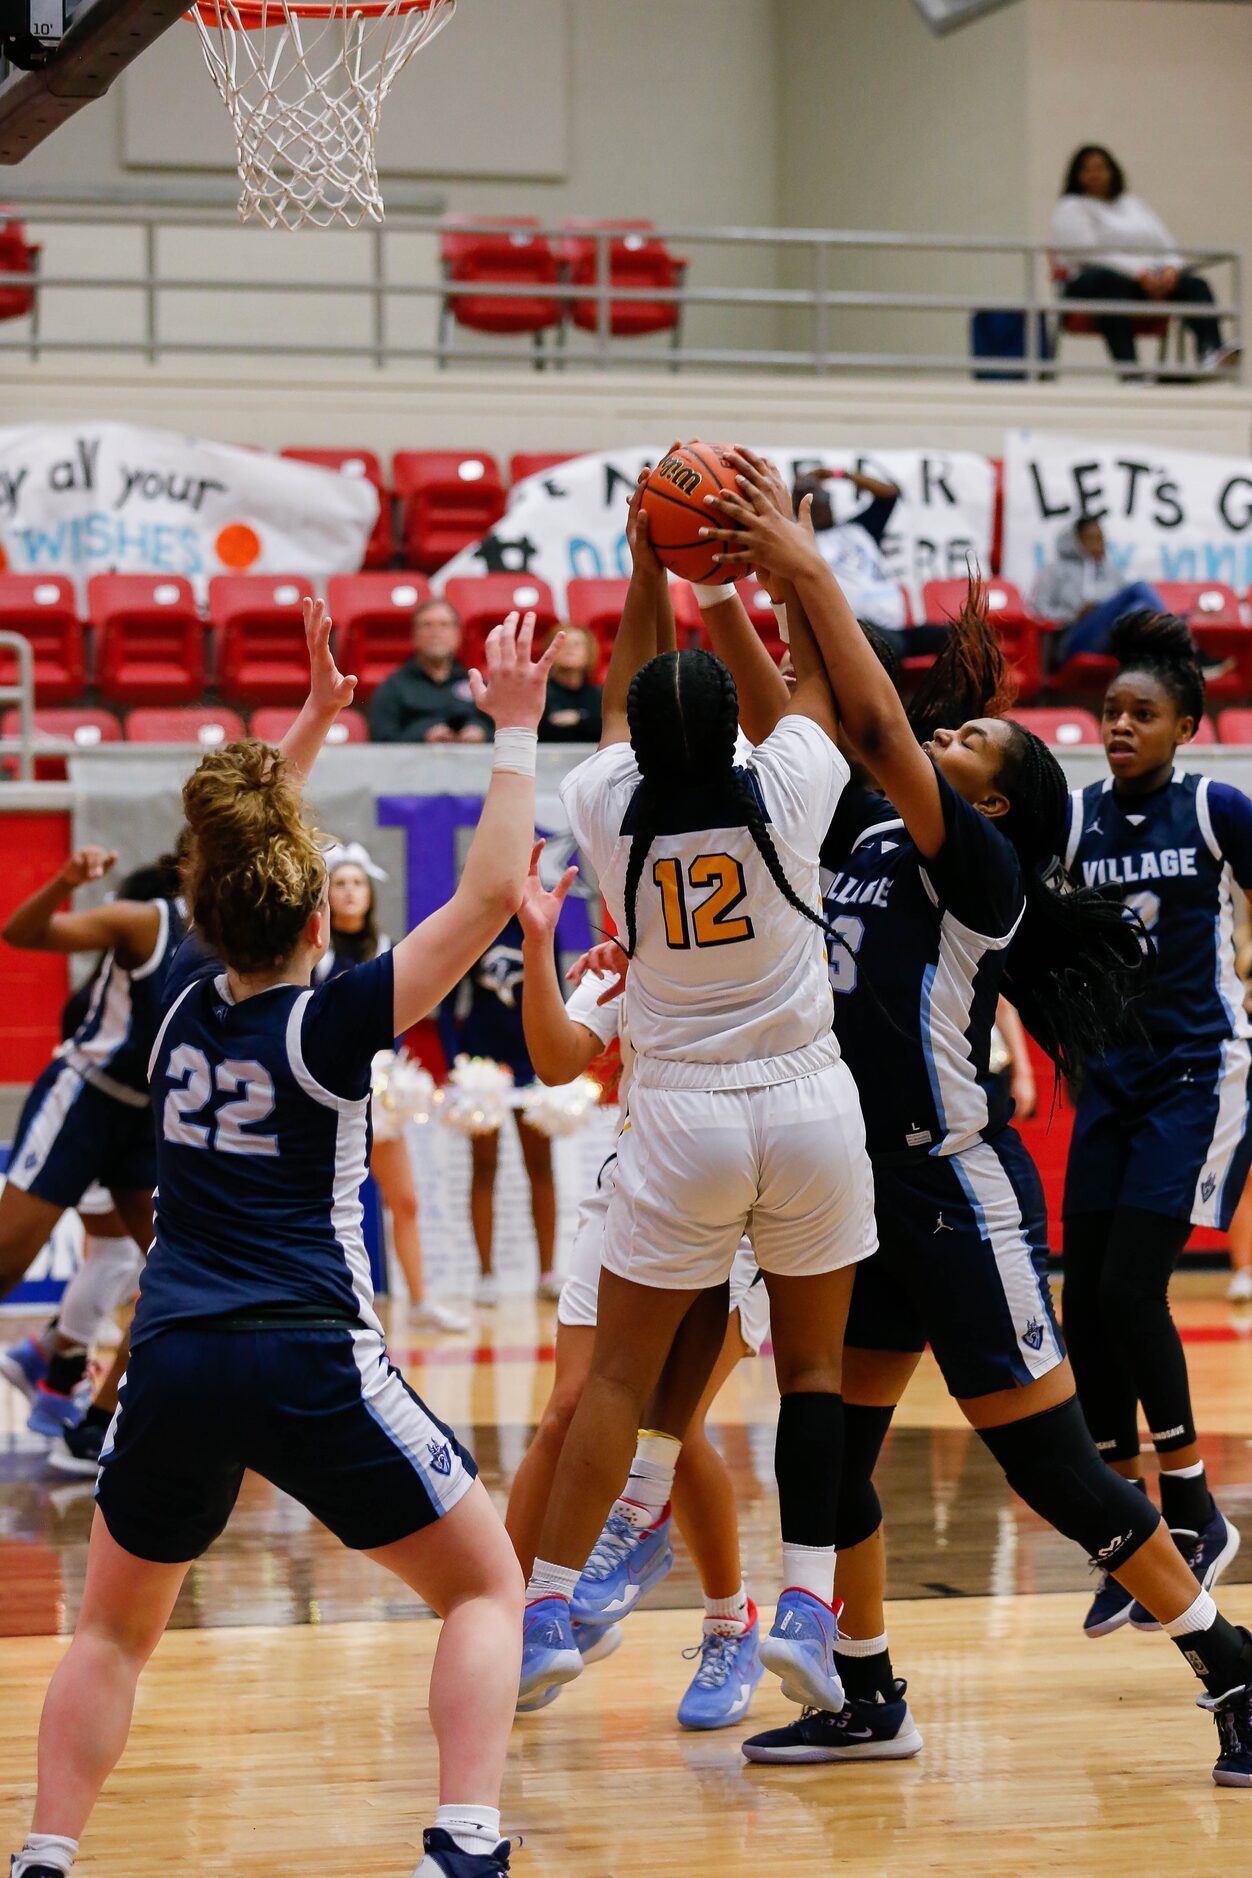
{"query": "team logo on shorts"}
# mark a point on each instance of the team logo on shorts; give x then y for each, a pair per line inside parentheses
(32, 1160)
(440, 1457)
(1033, 1334)
(1208, 1187)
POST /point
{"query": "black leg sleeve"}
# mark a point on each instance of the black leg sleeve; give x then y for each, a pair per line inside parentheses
(1143, 1250)
(1102, 1375)
(808, 1465)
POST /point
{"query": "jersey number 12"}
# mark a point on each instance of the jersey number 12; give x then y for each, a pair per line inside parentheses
(711, 922)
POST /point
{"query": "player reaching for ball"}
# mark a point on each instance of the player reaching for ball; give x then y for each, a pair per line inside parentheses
(742, 1113)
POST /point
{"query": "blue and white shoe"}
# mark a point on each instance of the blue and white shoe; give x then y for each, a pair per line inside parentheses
(1233, 1714)
(626, 1562)
(801, 1650)
(861, 1731)
(594, 1644)
(445, 1859)
(723, 1686)
(51, 1413)
(25, 1366)
(550, 1656)
(1110, 1608)
(1207, 1553)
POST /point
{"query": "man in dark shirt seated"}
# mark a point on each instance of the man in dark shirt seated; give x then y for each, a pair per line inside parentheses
(428, 700)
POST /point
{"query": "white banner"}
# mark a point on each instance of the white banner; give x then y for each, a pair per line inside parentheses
(571, 520)
(82, 499)
(1167, 514)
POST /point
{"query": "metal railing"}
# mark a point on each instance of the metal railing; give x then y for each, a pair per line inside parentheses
(783, 253)
(23, 695)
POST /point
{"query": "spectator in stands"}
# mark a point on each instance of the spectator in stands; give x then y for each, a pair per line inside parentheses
(853, 549)
(572, 714)
(1112, 246)
(1084, 592)
(428, 700)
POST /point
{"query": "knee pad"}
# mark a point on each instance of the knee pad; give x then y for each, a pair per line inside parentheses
(108, 1278)
(1050, 1461)
(860, 1510)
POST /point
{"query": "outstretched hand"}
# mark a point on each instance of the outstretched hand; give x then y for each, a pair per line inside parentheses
(329, 690)
(756, 520)
(515, 690)
(540, 909)
(642, 554)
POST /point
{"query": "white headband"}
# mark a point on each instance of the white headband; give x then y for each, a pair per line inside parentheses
(353, 854)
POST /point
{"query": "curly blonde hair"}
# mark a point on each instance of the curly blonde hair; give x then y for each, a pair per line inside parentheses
(254, 873)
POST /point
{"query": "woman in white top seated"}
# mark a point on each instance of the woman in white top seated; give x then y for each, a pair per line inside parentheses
(1112, 246)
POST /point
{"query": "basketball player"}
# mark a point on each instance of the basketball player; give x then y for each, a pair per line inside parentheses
(261, 1086)
(742, 1113)
(944, 892)
(1161, 1139)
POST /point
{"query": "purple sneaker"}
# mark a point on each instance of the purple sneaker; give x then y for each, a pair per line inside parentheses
(801, 1650)
(25, 1366)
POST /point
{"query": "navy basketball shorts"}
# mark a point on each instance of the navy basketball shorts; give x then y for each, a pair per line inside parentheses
(961, 1265)
(70, 1134)
(498, 1036)
(1167, 1133)
(322, 1414)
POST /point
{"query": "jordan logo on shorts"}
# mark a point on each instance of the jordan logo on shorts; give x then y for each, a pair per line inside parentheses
(1207, 1187)
(441, 1457)
(941, 1225)
(1033, 1334)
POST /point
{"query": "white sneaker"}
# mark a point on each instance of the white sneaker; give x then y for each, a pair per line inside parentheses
(487, 1291)
(1239, 1291)
(1221, 359)
(550, 1287)
(431, 1315)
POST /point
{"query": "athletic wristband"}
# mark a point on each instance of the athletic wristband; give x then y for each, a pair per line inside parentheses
(780, 614)
(514, 749)
(708, 595)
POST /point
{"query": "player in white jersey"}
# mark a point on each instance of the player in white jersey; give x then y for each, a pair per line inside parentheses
(743, 1117)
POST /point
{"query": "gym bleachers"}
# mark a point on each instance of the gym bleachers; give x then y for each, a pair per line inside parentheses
(43, 609)
(373, 617)
(448, 498)
(205, 724)
(149, 639)
(258, 621)
(484, 600)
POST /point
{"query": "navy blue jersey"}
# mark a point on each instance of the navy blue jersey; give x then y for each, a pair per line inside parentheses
(262, 1122)
(342, 957)
(1175, 856)
(918, 974)
(484, 1015)
(112, 1044)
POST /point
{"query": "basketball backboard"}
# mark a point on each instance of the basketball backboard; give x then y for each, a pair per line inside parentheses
(101, 39)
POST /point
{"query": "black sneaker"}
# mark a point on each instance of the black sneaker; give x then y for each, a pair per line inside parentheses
(1207, 1553)
(1110, 1608)
(861, 1731)
(78, 1450)
(34, 1871)
(1233, 1714)
(445, 1859)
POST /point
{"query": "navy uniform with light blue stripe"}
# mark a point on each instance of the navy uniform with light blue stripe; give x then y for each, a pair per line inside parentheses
(256, 1297)
(88, 1117)
(962, 1227)
(1163, 1124)
(486, 1010)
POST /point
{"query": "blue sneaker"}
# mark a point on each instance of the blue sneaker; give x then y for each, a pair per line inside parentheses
(861, 1731)
(594, 1644)
(1110, 1608)
(549, 1653)
(624, 1564)
(723, 1686)
(445, 1859)
(801, 1650)
(25, 1366)
(1208, 1553)
(1233, 1714)
(51, 1413)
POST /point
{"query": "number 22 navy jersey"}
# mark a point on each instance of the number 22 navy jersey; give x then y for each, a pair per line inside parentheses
(262, 1123)
(1175, 856)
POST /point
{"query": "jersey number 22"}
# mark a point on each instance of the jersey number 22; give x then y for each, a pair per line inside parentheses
(193, 1080)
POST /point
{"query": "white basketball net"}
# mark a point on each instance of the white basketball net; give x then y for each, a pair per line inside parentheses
(305, 91)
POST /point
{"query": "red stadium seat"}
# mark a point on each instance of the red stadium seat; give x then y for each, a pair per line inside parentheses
(637, 259)
(1202, 602)
(17, 256)
(1205, 732)
(511, 256)
(271, 726)
(149, 639)
(1144, 326)
(757, 606)
(1016, 627)
(42, 607)
(1062, 727)
(448, 498)
(261, 654)
(1235, 726)
(205, 724)
(596, 605)
(535, 462)
(364, 465)
(1216, 617)
(373, 615)
(81, 724)
(484, 601)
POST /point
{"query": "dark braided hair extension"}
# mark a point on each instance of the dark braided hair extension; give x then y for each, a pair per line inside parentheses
(1161, 645)
(971, 677)
(1078, 959)
(683, 712)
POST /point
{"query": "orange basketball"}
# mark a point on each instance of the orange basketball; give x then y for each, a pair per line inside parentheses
(674, 500)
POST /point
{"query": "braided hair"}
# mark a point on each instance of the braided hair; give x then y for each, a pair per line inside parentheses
(683, 712)
(1078, 959)
(971, 677)
(1161, 645)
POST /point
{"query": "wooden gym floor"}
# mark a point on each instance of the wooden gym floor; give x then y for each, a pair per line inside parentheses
(281, 1727)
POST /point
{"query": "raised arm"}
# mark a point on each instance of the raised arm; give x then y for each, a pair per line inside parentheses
(559, 1048)
(128, 926)
(329, 693)
(646, 614)
(439, 952)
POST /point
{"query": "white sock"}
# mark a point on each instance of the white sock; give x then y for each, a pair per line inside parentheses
(810, 1568)
(1186, 1473)
(551, 1581)
(861, 1646)
(45, 1848)
(726, 1617)
(1201, 1615)
(651, 1476)
(472, 1828)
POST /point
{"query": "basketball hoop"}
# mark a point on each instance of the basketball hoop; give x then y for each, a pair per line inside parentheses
(304, 82)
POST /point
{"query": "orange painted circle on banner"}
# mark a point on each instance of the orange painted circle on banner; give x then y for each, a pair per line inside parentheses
(237, 546)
